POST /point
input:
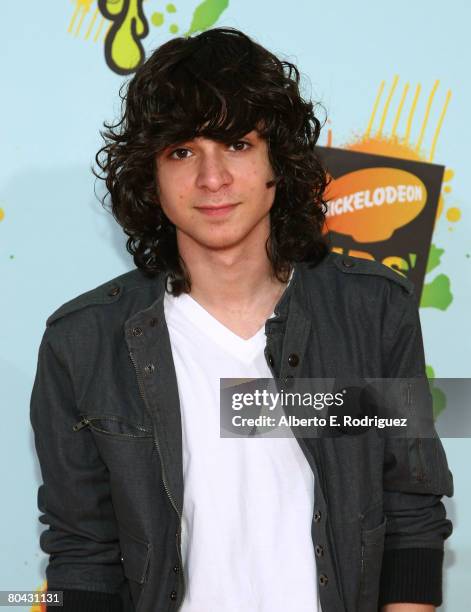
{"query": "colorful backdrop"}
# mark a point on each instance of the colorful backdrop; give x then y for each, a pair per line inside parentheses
(391, 78)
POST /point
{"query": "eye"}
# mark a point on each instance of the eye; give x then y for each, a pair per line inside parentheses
(181, 152)
(178, 151)
(240, 142)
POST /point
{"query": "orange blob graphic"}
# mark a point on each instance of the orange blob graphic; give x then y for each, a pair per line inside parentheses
(370, 204)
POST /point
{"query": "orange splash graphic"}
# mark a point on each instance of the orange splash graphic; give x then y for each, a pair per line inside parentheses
(369, 204)
(377, 141)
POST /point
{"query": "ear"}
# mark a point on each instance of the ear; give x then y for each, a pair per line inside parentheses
(274, 181)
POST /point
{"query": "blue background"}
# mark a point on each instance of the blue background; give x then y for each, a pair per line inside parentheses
(56, 241)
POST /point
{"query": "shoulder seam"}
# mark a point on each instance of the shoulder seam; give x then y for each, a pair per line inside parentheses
(357, 265)
(106, 293)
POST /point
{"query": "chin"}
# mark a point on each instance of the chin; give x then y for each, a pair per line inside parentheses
(220, 240)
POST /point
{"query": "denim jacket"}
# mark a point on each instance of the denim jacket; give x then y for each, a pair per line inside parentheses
(106, 418)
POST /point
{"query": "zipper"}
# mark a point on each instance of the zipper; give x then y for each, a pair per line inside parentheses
(164, 478)
(86, 421)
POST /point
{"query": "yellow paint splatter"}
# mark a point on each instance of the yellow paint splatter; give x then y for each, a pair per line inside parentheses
(375, 108)
(448, 175)
(123, 48)
(447, 189)
(453, 214)
(392, 145)
(399, 110)
(439, 126)
(412, 113)
(114, 7)
(81, 9)
(91, 24)
(386, 105)
(418, 146)
(98, 31)
(173, 28)
(2, 214)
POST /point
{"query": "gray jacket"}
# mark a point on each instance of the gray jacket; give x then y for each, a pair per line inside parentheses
(106, 419)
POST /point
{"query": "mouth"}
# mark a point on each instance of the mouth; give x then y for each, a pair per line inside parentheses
(219, 210)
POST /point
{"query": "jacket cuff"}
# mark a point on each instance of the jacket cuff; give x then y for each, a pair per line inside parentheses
(411, 575)
(75, 600)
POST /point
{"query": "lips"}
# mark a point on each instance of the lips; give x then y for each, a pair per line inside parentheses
(220, 209)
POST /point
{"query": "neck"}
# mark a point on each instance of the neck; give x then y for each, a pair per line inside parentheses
(236, 283)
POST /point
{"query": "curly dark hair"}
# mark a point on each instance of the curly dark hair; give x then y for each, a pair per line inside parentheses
(221, 85)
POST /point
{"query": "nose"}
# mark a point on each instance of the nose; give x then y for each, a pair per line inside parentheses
(213, 172)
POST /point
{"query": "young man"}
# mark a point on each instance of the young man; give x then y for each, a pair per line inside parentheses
(213, 176)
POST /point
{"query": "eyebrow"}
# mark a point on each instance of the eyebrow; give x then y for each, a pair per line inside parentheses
(180, 143)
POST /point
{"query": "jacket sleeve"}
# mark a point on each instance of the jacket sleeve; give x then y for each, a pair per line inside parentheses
(416, 475)
(74, 499)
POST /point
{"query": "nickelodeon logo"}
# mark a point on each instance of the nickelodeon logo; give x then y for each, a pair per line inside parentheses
(370, 204)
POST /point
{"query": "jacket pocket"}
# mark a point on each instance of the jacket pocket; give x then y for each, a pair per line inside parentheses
(135, 557)
(372, 547)
(113, 425)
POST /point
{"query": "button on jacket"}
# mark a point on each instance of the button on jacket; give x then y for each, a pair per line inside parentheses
(106, 419)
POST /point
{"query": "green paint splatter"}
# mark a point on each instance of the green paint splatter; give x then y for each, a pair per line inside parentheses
(438, 397)
(157, 19)
(434, 258)
(437, 294)
(439, 401)
(12, 257)
(206, 14)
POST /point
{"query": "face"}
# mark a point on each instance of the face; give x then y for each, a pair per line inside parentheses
(216, 193)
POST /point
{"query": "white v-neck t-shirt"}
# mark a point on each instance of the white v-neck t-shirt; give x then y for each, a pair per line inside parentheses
(248, 502)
